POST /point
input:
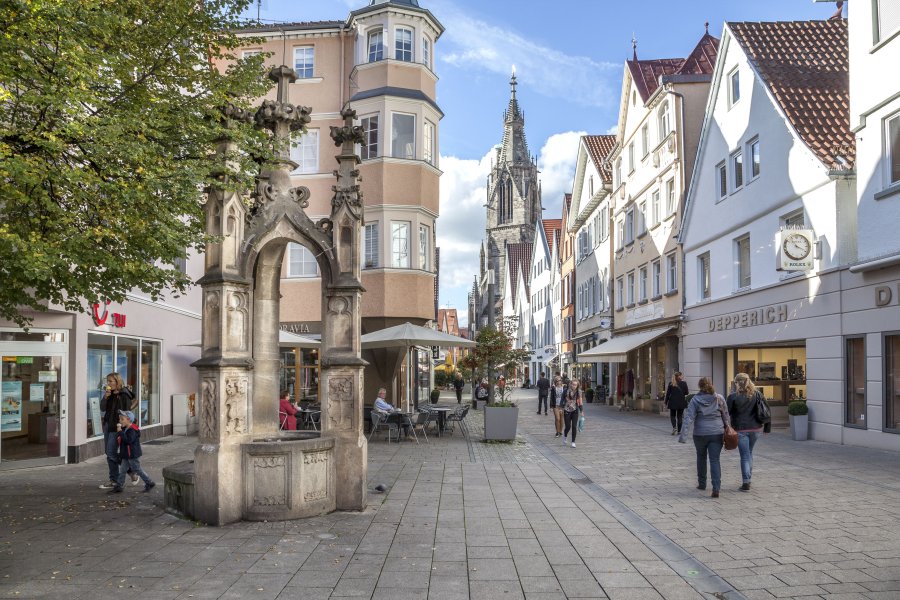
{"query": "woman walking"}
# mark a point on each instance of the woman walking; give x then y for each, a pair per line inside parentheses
(572, 407)
(676, 401)
(707, 413)
(117, 397)
(557, 393)
(742, 409)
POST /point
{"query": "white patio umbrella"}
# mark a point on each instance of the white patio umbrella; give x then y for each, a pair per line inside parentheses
(407, 335)
(285, 338)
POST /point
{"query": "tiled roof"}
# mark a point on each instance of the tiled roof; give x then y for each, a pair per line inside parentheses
(551, 230)
(805, 65)
(700, 61)
(279, 27)
(599, 148)
(516, 255)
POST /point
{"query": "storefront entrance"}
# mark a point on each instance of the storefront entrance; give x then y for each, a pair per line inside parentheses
(32, 398)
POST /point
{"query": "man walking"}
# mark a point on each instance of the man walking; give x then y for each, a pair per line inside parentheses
(543, 386)
(458, 384)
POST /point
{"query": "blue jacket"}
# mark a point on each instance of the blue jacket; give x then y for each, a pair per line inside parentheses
(705, 414)
(129, 442)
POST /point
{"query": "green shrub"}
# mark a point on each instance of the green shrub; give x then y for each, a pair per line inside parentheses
(503, 404)
(435, 396)
(798, 407)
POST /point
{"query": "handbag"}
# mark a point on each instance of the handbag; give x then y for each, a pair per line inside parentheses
(762, 411)
(730, 438)
(580, 423)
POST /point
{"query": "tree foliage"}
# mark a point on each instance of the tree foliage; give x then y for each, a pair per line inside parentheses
(108, 113)
(494, 349)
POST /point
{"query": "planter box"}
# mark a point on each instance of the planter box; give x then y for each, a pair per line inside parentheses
(500, 423)
(799, 427)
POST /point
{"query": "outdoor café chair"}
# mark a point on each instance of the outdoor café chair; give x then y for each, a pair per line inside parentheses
(459, 417)
(378, 419)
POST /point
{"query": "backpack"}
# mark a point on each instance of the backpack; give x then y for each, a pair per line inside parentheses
(762, 411)
(481, 392)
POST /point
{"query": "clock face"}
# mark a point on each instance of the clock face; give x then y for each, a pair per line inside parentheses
(796, 246)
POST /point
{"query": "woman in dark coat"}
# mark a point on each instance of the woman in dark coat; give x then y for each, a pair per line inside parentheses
(676, 401)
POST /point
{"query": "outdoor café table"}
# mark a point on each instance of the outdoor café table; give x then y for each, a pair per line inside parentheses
(442, 412)
(309, 415)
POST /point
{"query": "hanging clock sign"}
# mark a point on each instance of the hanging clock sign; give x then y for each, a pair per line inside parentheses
(796, 249)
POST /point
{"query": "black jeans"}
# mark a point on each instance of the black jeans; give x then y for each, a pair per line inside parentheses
(459, 395)
(676, 415)
(571, 422)
(542, 398)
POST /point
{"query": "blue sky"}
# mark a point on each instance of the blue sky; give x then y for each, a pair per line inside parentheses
(569, 57)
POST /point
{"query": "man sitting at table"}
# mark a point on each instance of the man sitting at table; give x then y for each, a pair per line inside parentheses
(391, 414)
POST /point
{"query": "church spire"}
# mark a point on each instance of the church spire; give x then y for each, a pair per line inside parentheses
(514, 149)
(513, 113)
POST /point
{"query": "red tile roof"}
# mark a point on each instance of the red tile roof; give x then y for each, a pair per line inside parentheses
(805, 65)
(599, 148)
(700, 61)
(551, 230)
(516, 255)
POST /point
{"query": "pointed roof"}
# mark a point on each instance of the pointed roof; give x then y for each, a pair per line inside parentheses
(700, 61)
(514, 148)
(805, 65)
(518, 255)
(551, 231)
(599, 148)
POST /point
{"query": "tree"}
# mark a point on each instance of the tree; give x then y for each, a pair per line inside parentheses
(494, 348)
(108, 113)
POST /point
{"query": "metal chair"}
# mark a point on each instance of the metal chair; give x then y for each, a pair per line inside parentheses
(432, 416)
(421, 420)
(459, 416)
(378, 419)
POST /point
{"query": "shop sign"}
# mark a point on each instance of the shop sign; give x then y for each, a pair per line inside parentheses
(750, 318)
(24, 360)
(884, 295)
(47, 376)
(100, 318)
(796, 249)
(302, 327)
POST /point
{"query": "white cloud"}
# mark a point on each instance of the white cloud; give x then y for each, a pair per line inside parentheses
(478, 45)
(460, 228)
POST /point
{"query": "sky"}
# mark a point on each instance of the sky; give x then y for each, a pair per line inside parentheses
(569, 57)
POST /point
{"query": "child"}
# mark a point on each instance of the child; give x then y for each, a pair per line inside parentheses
(128, 444)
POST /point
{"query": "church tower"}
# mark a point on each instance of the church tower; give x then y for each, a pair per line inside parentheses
(513, 193)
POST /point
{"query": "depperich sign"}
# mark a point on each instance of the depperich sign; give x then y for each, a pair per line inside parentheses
(750, 318)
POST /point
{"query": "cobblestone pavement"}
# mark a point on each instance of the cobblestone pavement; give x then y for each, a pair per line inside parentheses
(617, 517)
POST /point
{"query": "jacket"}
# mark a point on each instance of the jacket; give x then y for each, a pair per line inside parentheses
(287, 418)
(543, 386)
(112, 404)
(459, 383)
(676, 396)
(129, 442)
(742, 410)
(554, 400)
(705, 414)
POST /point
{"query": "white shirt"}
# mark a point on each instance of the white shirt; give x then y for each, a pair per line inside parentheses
(382, 405)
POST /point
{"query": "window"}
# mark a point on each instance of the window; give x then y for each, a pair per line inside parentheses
(369, 148)
(642, 284)
(631, 289)
(428, 150)
(892, 381)
(855, 376)
(305, 152)
(742, 252)
(376, 46)
(654, 208)
(423, 247)
(303, 61)
(737, 169)
(722, 179)
(662, 119)
(887, 18)
(403, 44)
(703, 276)
(136, 360)
(591, 186)
(734, 87)
(893, 147)
(629, 226)
(657, 278)
(580, 302)
(426, 52)
(645, 139)
(620, 233)
(795, 220)
(670, 197)
(620, 292)
(371, 248)
(301, 262)
(642, 218)
(671, 273)
(753, 155)
(400, 245)
(249, 53)
(631, 157)
(604, 224)
(403, 136)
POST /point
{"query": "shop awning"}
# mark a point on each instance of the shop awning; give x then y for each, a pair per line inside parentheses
(617, 349)
(285, 338)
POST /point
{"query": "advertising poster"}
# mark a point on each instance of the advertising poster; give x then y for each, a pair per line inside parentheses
(11, 406)
(36, 392)
(94, 414)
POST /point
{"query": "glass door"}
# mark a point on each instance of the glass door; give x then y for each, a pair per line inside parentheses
(32, 409)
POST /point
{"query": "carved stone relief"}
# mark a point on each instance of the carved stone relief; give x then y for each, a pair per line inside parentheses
(340, 327)
(211, 326)
(340, 402)
(209, 413)
(315, 476)
(237, 318)
(269, 480)
(235, 405)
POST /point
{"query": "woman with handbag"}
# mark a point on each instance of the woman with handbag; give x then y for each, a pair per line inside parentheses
(557, 393)
(707, 414)
(742, 406)
(676, 401)
(572, 407)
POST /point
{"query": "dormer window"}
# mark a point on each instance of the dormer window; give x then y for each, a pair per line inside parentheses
(376, 46)
(403, 44)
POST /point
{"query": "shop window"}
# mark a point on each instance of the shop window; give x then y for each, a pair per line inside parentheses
(99, 363)
(29, 406)
(855, 378)
(778, 372)
(300, 374)
(149, 386)
(892, 381)
(138, 362)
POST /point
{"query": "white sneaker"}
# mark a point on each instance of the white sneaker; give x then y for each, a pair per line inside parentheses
(135, 479)
(573, 444)
(108, 485)
(564, 441)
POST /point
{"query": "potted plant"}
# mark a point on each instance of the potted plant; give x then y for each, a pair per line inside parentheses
(501, 417)
(589, 395)
(798, 413)
(435, 395)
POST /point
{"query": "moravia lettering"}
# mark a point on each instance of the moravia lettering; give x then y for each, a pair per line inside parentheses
(750, 318)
